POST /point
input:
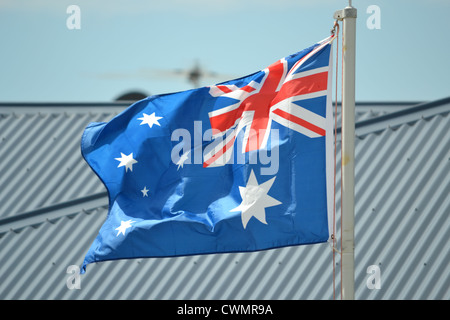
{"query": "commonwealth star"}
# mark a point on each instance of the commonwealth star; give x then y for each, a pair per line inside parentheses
(255, 200)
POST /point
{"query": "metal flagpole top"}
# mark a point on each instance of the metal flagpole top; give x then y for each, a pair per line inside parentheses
(348, 12)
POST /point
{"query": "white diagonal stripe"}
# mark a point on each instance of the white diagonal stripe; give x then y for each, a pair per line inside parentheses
(299, 112)
(306, 73)
(294, 126)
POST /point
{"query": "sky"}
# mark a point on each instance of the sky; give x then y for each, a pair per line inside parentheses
(148, 45)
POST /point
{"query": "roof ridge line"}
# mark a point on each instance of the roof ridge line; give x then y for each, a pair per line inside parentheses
(409, 115)
(55, 211)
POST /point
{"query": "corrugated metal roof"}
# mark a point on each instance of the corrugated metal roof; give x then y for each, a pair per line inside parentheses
(41, 159)
(402, 220)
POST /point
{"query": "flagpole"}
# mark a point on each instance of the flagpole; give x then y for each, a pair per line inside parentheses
(348, 16)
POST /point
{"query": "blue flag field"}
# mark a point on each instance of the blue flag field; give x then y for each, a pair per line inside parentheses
(244, 165)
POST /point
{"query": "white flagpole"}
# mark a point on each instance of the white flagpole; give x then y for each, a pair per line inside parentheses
(348, 16)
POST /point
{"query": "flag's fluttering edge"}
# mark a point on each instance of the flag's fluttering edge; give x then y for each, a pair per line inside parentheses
(240, 166)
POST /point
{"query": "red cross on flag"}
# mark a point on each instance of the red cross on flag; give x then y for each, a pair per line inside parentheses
(273, 98)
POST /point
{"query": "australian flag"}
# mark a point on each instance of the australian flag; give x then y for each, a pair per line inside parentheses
(244, 165)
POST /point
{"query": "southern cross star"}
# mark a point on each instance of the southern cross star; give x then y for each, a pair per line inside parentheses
(150, 119)
(255, 200)
(126, 161)
(124, 225)
(183, 158)
(145, 192)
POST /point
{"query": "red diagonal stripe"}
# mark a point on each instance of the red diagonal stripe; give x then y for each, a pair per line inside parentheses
(299, 121)
(219, 153)
(225, 89)
(248, 89)
(309, 84)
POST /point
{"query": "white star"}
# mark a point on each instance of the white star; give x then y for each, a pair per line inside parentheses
(255, 199)
(126, 161)
(150, 119)
(182, 160)
(144, 192)
(124, 225)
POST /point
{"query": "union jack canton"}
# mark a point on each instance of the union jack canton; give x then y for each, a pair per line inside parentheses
(273, 98)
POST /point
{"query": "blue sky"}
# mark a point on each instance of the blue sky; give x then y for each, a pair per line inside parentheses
(142, 45)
